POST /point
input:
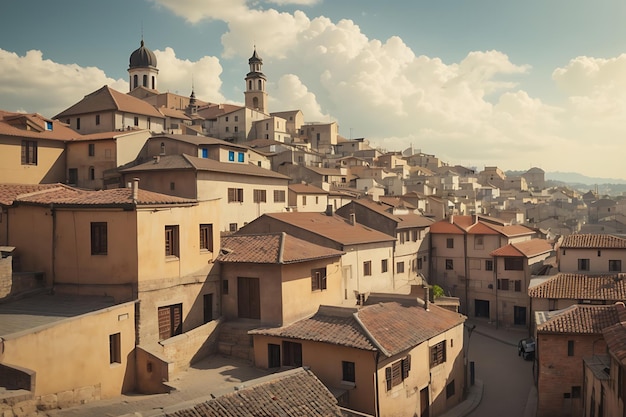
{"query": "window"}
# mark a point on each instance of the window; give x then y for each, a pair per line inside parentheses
(237, 130)
(450, 389)
(171, 241)
(170, 321)
(235, 195)
(241, 157)
(518, 285)
(397, 372)
(145, 80)
(576, 391)
(225, 287)
(29, 152)
(273, 355)
(48, 125)
(236, 118)
(304, 200)
(400, 267)
(92, 173)
(438, 354)
(232, 227)
(172, 186)
(78, 123)
(205, 153)
(318, 279)
(419, 263)
(384, 265)
(135, 81)
(570, 348)
(449, 264)
(115, 348)
(136, 121)
(450, 243)
(207, 307)
(72, 176)
(92, 149)
(488, 265)
(279, 196)
(514, 264)
(260, 196)
(227, 129)
(206, 237)
(367, 268)
(583, 264)
(503, 284)
(615, 265)
(292, 354)
(599, 253)
(231, 156)
(348, 374)
(98, 238)
(414, 235)
(97, 119)
(478, 242)
(162, 148)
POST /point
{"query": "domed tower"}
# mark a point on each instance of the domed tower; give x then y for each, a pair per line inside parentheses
(256, 96)
(143, 68)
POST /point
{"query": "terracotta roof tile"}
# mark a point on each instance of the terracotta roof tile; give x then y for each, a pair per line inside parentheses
(397, 327)
(67, 196)
(615, 337)
(9, 192)
(580, 319)
(33, 125)
(525, 249)
(329, 325)
(403, 221)
(306, 189)
(108, 99)
(295, 393)
(169, 162)
(585, 241)
(279, 248)
(334, 227)
(582, 287)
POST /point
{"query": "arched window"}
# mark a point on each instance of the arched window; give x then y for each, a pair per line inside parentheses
(162, 148)
(250, 85)
(153, 83)
(260, 85)
(135, 81)
(145, 80)
(255, 102)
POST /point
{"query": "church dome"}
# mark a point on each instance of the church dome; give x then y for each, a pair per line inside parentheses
(142, 57)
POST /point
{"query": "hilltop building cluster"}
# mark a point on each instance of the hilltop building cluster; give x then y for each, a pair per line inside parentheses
(143, 231)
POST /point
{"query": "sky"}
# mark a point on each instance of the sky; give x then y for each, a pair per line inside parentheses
(478, 83)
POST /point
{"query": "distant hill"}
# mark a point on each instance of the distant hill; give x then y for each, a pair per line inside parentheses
(582, 183)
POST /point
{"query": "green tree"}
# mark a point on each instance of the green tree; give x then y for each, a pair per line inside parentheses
(437, 291)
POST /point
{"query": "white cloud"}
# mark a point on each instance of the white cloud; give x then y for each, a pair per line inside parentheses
(175, 75)
(36, 84)
(296, 2)
(290, 94)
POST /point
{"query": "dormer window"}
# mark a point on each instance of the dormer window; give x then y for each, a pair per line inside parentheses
(48, 125)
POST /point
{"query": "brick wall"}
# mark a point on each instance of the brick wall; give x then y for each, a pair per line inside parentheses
(558, 372)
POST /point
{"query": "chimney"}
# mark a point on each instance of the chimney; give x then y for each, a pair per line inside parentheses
(329, 210)
(451, 218)
(426, 297)
(135, 189)
(156, 158)
(352, 219)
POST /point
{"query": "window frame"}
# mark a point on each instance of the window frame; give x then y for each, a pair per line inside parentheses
(172, 248)
(367, 268)
(29, 152)
(513, 263)
(437, 354)
(384, 265)
(99, 238)
(318, 279)
(235, 195)
(584, 264)
(488, 264)
(279, 196)
(206, 236)
(400, 267)
(449, 264)
(115, 348)
(450, 243)
(615, 265)
(259, 196)
(348, 371)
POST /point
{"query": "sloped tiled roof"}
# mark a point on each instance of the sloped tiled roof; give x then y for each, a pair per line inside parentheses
(170, 162)
(9, 192)
(333, 227)
(403, 221)
(108, 99)
(588, 241)
(277, 248)
(615, 336)
(108, 135)
(329, 325)
(580, 319)
(525, 249)
(306, 189)
(397, 327)
(582, 287)
(295, 393)
(33, 125)
(71, 197)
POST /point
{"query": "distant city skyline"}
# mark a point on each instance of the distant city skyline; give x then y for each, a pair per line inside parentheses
(484, 83)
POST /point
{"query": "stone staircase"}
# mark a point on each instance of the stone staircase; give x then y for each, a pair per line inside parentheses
(234, 340)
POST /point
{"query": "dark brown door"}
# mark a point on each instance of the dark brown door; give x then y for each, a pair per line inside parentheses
(248, 298)
(170, 321)
(424, 404)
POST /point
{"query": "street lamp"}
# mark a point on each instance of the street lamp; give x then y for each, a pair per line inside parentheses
(470, 329)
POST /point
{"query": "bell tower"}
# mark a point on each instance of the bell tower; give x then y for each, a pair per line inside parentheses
(142, 68)
(256, 96)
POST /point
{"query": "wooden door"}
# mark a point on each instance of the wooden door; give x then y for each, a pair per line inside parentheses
(248, 298)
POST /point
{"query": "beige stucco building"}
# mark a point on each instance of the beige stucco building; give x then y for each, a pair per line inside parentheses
(415, 371)
(591, 254)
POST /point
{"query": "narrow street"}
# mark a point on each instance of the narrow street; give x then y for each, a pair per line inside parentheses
(507, 378)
